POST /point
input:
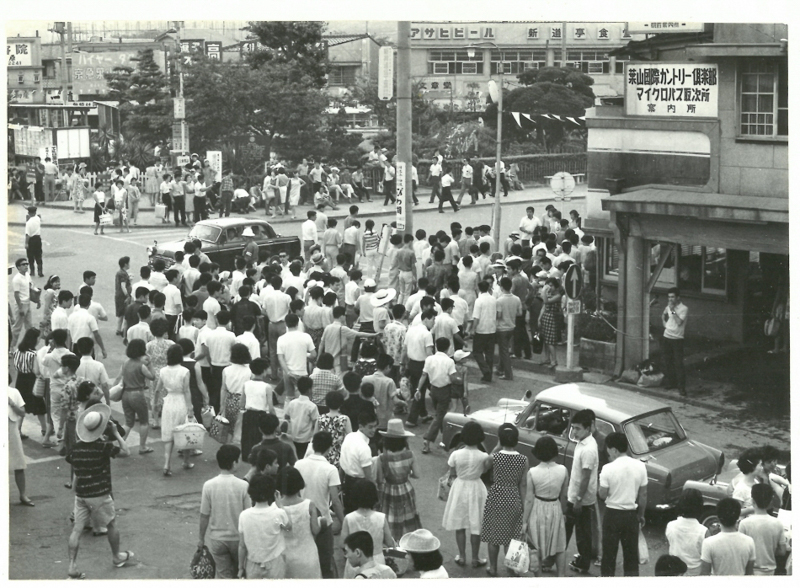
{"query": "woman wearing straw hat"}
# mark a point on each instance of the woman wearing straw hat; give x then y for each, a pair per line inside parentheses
(380, 315)
(395, 466)
(423, 547)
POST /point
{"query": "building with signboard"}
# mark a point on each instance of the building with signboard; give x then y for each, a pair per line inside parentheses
(24, 70)
(689, 183)
(352, 57)
(450, 76)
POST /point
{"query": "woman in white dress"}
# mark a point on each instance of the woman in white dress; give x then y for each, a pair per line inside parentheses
(173, 386)
(302, 556)
(151, 182)
(464, 509)
(234, 377)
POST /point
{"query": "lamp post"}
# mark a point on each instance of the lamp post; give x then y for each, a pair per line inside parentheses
(496, 206)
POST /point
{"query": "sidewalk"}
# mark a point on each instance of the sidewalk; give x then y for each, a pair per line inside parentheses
(60, 214)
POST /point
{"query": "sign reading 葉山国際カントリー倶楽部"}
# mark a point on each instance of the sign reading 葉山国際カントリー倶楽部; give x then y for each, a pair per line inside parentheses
(671, 89)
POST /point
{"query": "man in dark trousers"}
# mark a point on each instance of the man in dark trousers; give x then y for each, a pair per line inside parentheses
(674, 321)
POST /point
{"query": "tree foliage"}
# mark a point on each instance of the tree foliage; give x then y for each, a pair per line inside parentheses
(296, 43)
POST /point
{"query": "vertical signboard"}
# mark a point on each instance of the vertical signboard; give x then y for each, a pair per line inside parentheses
(671, 89)
(214, 50)
(215, 161)
(49, 151)
(179, 108)
(385, 73)
(400, 193)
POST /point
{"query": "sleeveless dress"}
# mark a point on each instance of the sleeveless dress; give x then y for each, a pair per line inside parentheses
(397, 499)
(174, 410)
(468, 282)
(546, 523)
(302, 557)
(465, 504)
(372, 524)
(502, 516)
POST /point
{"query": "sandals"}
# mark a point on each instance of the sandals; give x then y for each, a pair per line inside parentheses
(128, 557)
(76, 575)
(459, 561)
(146, 450)
(479, 563)
(26, 502)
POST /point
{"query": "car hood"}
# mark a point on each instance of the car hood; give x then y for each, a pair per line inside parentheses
(687, 460)
(497, 415)
(170, 247)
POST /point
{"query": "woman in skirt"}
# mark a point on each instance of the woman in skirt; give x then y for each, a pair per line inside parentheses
(502, 516)
(395, 467)
(234, 377)
(16, 457)
(24, 362)
(550, 319)
(99, 205)
(173, 386)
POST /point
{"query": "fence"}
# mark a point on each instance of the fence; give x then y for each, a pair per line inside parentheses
(532, 168)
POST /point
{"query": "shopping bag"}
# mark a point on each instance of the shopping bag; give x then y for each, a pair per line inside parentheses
(39, 387)
(220, 429)
(189, 435)
(161, 211)
(536, 343)
(203, 566)
(445, 483)
(629, 376)
(644, 553)
(650, 380)
(106, 219)
(115, 394)
(207, 415)
(405, 389)
(517, 557)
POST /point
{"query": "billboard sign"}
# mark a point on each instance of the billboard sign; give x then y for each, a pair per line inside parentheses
(19, 54)
(215, 161)
(672, 89)
(386, 73)
(214, 50)
(89, 69)
(665, 27)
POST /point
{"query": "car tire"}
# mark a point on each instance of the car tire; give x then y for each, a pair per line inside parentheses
(710, 521)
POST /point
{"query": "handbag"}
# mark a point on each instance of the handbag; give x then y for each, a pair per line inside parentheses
(220, 429)
(517, 557)
(160, 211)
(106, 219)
(35, 295)
(537, 345)
(203, 566)
(207, 415)
(445, 483)
(115, 393)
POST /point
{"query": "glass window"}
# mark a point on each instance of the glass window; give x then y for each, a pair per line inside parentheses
(703, 269)
(455, 62)
(715, 269)
(653, 431)
(610, 260)
(668, 276)
(763, 99)
(552, 420)
(205, 233)
(342, 75)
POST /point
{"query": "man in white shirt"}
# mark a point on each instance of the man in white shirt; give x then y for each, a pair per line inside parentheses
(528, 225)
(295, 350)
(276, 306)
(216, 345)
(435, 177)
(446, 326)
(82, 324)
(212, 304)
(157, 278)
(33, 239)
(173, 306)
(582, 489)
(191, 275)
(21, 284)
(440, 371)
(484, 329)
(308, 233)
(623, 485)
(355, 457)
(674, 322)
(418, 347)
(91, 369)
(729, 552)
(322, 489)
(144, 282)
(466, 182)
(248, 338)
(59, 319)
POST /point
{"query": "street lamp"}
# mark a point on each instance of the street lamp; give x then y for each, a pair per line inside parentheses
(496, 206)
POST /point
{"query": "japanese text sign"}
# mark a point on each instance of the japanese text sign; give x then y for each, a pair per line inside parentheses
(671, 89)
(19, 54)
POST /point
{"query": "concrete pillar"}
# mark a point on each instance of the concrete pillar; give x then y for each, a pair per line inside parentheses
(636, 317)
(549, 57)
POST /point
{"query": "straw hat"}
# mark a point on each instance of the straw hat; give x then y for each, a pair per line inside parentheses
(382, 297)
(395, 428)
(92, 422)
(317, 257)
(248, 232)
(461, 354)
(419, 541)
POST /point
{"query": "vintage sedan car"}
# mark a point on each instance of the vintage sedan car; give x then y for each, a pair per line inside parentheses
(223, 242)
(654, 434)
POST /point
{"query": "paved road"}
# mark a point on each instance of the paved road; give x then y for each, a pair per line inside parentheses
(158, 517)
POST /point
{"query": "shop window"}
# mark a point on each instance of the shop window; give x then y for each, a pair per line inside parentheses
(454, 62)
(49, 69)
(342, 75)
(668, 275)
(764, 99)
(610, 260)
(703, 269)
(589, 62)
(20, 79)
(516, 62)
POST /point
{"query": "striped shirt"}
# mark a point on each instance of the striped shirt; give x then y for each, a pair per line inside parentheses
(371, 240)
(92, 465)
(226, 185)
(24, 360)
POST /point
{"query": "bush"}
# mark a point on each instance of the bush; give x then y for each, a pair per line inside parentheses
(593, 326)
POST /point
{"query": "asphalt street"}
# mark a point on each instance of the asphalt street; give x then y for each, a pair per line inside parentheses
(158, 517)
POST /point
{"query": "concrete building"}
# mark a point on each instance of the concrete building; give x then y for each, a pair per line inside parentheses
(689, 184)
(24, 73)
(451, 78)
(352, 57)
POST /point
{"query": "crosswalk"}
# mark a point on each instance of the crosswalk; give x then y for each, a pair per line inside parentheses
(144, 237)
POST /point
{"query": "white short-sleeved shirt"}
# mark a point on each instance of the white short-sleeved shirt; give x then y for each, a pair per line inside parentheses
(16, 399)
(219, 342)
(319, 476)
(158, 281)
(202, 337)
(584, 458)
(295, 347)
(447, 180)
(212, 307)
(685, 537)
(528, 225)
(439, 367)
(249, 340)
(728, 553)
(33, 226)
(302, 415)
(141, 331)
(623, 477)
(59, 319)
(418, 340)
(768, 534)
(446, 326)
(485, 314)
(21, 283)
(92, 370)
(260, 529)
(309, 231)
(81, 324)
(174, 303)
(355, 454)
(673, 330)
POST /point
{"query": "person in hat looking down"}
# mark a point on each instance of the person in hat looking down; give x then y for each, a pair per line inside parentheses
(250, 252)
(423, 547)
(91, 460)
(513, 237)
(380, 313)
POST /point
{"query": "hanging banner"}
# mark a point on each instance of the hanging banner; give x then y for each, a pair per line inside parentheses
(385, 73)
(215, 161)
(400, 193)
(671, 89)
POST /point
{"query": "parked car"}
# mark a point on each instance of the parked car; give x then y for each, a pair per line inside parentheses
(223, 242)
(654, 434)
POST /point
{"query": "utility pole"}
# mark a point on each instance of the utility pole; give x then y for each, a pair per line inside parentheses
(404, 119)
(563, 44)
(60, 29)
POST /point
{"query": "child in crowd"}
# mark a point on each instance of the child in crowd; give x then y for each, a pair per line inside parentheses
(262, 530)
(302, 415)
(460, 389)
(728, 553)
(256, 399)
(263, 461)
(188, 330)
(365, 518)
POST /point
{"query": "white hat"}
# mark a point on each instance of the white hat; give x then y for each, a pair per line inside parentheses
(92, 422)
(334, 169)
(370, 283)
(461, 354)
(419, 541)
(317, 256)
(514, 235)
(395, 429)
(248, 232)
(381, 297)
(499, 264)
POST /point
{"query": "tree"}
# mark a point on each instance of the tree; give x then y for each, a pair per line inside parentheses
(298, 43)
(342, 145)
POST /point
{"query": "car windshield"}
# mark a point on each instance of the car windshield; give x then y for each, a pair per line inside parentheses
(204, 233)
(653, 431)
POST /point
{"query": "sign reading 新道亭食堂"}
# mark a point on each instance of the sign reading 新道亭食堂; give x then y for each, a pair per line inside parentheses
(671, 89)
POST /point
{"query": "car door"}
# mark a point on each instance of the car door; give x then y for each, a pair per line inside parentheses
(231, 246)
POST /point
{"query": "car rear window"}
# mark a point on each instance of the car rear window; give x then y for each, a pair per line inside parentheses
(204, 233)
(653, 431)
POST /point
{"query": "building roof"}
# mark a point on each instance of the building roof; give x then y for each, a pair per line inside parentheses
(702, 205)
(648, 48)
(335, 39)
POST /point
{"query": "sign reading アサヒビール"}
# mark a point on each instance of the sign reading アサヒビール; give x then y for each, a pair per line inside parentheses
(671, 89)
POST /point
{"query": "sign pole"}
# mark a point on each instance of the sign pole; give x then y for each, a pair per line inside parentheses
(570, 340)
(405, 218)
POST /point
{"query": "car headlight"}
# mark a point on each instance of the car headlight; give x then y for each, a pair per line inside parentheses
(150, 252)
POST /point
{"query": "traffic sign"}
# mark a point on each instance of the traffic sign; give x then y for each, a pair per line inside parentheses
(573, 306)
(562, 184)
(386, 72)
(573, 281)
